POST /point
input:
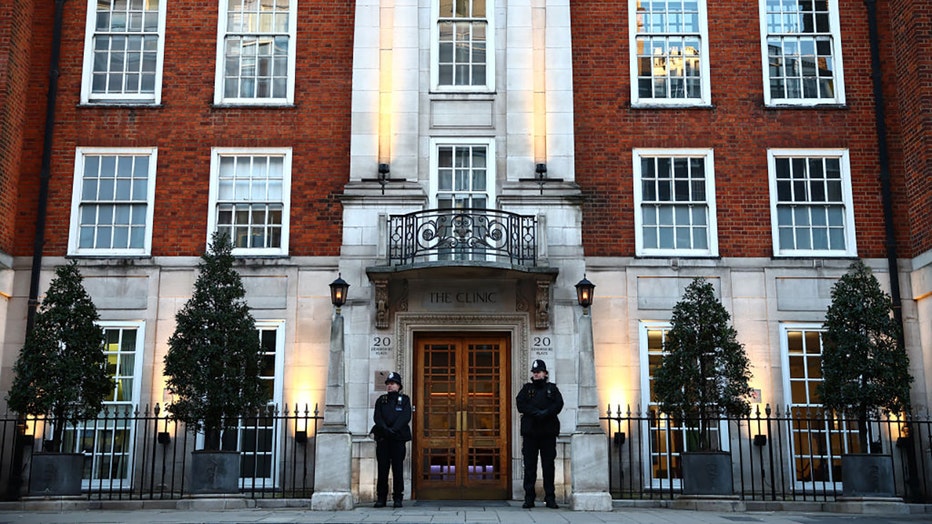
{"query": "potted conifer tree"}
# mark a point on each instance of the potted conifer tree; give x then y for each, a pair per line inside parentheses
(212, 365)
(61, 376)
(703, 376)
(865, 369)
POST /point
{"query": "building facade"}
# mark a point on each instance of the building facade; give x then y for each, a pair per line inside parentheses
(463, 164)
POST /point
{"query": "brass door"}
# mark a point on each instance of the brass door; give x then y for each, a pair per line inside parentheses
(461, 448)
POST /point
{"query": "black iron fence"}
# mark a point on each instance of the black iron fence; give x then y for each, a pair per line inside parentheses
(782, 454)
(132, 453)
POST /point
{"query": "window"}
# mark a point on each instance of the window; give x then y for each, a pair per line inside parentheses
(674, 193)
(255, 52)
(667, 438)
(810, 203)
(462, 175)
(124, 46)
(109, 441)
(669, 52)
(112, 202)
(249, 199)
(817, 439)
(256, 437)
(462, 45)
(801, 49)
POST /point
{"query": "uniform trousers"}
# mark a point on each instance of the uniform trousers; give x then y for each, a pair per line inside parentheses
(547, 448)
(390, 454)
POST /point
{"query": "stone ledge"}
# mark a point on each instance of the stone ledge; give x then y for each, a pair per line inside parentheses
(702, 503)
(868, 506)
(332, 501)
(594, 501)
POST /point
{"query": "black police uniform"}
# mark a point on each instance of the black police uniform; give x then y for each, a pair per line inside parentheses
(391, 415)
(539, 403)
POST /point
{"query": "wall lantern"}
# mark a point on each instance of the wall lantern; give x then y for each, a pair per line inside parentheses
(338, 289)
(540, 171)
(584, 290)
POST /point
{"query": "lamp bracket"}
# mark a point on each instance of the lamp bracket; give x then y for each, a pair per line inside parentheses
(540, 177)
(383, 177)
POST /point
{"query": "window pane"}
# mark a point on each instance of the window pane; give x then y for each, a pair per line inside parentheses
(120, 68)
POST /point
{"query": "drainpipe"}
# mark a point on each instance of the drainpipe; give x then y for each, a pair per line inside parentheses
(907, 444)
(882, 152)
(46, 173)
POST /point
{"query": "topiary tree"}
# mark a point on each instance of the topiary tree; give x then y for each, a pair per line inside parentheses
(864, 363)
(61, 371)
(213, 358)
(704, 373)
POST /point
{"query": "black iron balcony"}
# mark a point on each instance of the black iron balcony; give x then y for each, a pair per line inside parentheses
(462, 236)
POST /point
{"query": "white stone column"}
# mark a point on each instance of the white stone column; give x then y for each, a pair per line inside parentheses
(333, 472)
(588, 443)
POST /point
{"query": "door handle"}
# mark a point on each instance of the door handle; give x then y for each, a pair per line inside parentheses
(462, 419)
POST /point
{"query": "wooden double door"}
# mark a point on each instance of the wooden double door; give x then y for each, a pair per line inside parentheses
(461, 444)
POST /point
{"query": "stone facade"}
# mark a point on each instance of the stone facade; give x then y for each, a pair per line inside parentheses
(557, 128)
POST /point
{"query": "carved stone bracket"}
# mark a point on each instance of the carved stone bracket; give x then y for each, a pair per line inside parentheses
(542, 302)
(381, 304)
(390, 296)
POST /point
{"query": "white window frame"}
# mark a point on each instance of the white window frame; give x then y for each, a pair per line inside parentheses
(846, 194)
(705, 98)
(663, 429)
(830, 483)
(277, 386)
(117, 415)
(838, 77)
(215, 156)
(487, 142)
(433, 200)
(81, 154)
(277, 397)
(222, 26)
(87, 97)
(489, 85)
(711, 220)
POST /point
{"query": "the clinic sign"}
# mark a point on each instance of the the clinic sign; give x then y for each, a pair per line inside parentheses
(465, 296)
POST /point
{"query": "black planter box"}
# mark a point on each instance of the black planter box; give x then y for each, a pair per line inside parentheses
(56, 474)
(707, 473)
(214, 472)
(867, 475)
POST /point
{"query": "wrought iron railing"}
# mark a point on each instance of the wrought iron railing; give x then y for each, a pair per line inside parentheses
(143, 454)
(793, 454)
(777, 455)
(462, 236)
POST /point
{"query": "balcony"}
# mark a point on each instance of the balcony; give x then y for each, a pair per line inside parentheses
(471, 237)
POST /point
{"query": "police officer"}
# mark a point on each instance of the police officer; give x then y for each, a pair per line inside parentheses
(539, 403)
(392, 415)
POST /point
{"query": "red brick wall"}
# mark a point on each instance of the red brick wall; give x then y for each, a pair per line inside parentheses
(913, 20)
(14, 75)
(187, 125)
(738, 128)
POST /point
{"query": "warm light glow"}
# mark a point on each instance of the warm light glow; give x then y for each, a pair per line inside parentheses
(386, 109)
(539, 72)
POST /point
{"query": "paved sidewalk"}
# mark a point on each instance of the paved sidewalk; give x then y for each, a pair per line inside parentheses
(442, 513)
